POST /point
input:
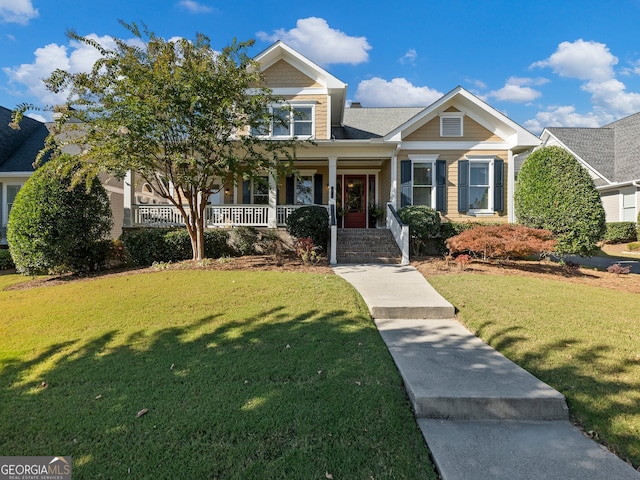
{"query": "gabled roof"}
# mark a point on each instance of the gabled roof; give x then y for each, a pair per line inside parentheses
(336, 88)
(19, 148)
(475, 108)
(612, 151)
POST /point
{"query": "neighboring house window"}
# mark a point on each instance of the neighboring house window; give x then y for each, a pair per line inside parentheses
(292, 121)
(10, 195)
(423, 181)
(451, 125)
(480, 185)
(629, 206)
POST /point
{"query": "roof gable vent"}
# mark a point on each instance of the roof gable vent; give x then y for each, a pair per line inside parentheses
(451, 125)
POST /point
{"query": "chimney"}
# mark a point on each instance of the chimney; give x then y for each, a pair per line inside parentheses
(356, 105)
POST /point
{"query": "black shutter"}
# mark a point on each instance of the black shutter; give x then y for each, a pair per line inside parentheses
(405, 183)
(498, 185)
(246, 192)
(463, 186)
(290, 194)
(441, 185)
(317, 189)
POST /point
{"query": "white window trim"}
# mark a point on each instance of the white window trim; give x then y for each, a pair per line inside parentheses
(293, 105)
(483, 159)
(423, 159)
(458, 115)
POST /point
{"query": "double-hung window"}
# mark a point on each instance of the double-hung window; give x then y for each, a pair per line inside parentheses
(304, 190)
(255, 191)
(288, 121)
(423, 180)
(480, 185)
(423, 191)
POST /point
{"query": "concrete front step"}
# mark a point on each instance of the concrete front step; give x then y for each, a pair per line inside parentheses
(507, 450)
(450, 374)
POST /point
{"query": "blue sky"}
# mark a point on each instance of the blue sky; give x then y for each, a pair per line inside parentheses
(542, 63)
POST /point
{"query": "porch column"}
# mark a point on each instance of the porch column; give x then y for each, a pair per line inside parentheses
(333, 167)
(272, 217)
(511, 185)
(129, 192)
(393, 193)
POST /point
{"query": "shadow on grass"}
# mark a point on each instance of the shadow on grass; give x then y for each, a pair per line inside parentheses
(291, 397)
(602, 389)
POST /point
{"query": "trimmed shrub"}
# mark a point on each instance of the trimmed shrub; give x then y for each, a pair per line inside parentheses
(424, 223)
(555, 192)
(620, 232)
(502, 242)
(148, 245)
(54, 228)
(6, 262)
(451, 229)
(310, 222)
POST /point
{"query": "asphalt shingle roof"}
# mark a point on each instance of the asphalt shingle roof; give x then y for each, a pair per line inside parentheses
(613, 150)
(365, 123)
(19, 148)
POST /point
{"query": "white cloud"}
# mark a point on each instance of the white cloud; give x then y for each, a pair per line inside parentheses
(17, 11)
(612, 95)
(593, 63)
(324, 45)
(517, 89)
(77, 57)
(566, 116)
(409, 57)
(582, 60)
(194, 7)
(399, 92)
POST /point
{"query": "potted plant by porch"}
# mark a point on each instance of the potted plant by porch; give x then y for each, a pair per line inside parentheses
(375, 212)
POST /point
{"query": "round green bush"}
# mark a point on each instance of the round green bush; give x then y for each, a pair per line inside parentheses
(312, 222)
(54, 228)
(424, 223)
(620, 232)
(555, 192)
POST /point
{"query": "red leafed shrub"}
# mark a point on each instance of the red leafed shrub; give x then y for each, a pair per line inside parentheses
(502, 242)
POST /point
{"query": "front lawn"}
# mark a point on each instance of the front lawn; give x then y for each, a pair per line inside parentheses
(583, 340)
(204, 374)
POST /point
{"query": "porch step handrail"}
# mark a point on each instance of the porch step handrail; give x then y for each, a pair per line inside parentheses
(400, 232)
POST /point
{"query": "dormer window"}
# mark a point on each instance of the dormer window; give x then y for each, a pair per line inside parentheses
(289, 121)
(451, 124)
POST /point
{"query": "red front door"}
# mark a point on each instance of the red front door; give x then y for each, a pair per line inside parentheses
(355, 201)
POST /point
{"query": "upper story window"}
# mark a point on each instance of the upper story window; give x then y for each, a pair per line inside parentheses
(288, 122)
(451, 124)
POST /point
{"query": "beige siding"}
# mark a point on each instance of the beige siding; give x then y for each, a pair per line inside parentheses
(611, 204)
(283, 75)
(472, 130)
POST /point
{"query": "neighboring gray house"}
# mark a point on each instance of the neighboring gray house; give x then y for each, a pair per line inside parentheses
(611, 155)
(18, 151)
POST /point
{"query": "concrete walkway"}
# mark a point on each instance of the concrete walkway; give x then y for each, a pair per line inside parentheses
(482, 416)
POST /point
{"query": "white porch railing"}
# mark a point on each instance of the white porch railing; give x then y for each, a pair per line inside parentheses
(400, 232)
(216, 215)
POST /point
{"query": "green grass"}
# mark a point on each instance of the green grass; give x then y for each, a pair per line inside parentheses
(244, 375)
(582, 340)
